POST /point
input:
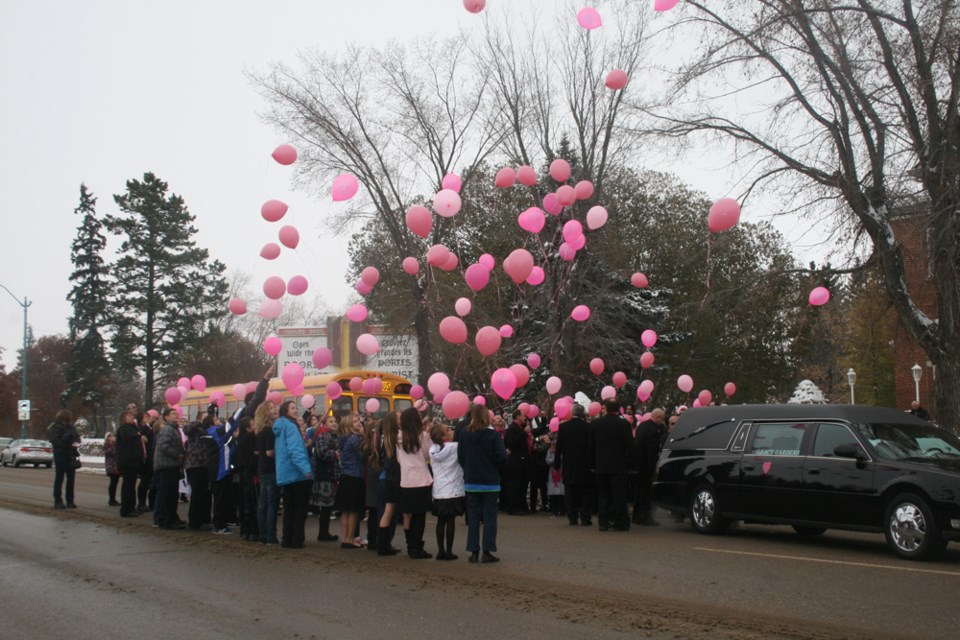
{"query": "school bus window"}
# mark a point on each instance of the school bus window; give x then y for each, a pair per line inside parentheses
(400, 404)
(341, 406)
(379, 413)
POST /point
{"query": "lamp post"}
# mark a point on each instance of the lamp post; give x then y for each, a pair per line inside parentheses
(23, 378)
(917, 371)
(852, 379)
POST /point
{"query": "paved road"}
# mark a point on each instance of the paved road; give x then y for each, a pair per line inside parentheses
(555, 581)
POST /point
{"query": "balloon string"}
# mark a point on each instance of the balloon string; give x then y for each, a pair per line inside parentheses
(706, 293)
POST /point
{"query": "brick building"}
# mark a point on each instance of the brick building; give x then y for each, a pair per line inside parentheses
(912, 233)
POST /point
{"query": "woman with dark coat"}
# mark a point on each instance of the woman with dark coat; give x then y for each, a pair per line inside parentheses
(130, 452)
(481, 454)
(66, 450)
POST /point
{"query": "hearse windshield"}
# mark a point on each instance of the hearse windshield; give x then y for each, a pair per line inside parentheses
(910, 441)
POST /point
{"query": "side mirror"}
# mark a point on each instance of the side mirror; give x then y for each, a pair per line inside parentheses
(849, 451)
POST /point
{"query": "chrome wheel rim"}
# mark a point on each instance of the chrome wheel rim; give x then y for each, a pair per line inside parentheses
(908, 527)
(704, 509)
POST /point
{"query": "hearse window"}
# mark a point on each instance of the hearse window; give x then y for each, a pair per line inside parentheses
(741, 439)
(710, 436)
(777, 438)
(829, 435)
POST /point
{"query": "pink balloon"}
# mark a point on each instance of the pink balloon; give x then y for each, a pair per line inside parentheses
(372, 386)
(270, 251)
(488, 340)
(724, 215)
(416, 392)
(451, 262)
(533, 361)
(451, 181)
(583, 189)
(705, 397)
(251, 386)
(523, 408)
(199, 383)
(566, 195)
(616, 79)
(372, 405)
(560, 170)
(419, 220)
(506, 177)
(567, 252)
(367, 344)
(518, 265)
(453, 330)
(438, 383)
(273, 210)
(218, 398)
(554, 424)
(487, 262)
(447, 203)
(648, 338)
(527, 176)
(696, 403)
(532, 220)
(172, 395)
(270, 309)
(578, 243)
(473, 6)
(411, 266)
(551, 205)
(596, 366)
(274, 287)
(297, 286)
(646, 360)
(370, 275)
(506, 331)
(334, 390)
(664, 5)
(729, 389)
(355, 384)
(477, 277)
(685, 383)
(642, 394)
(357, 313)
(647, 385)
(272, 345)
(521, 374)
(285, 154)
(639, 280)
(553, 385)
(536, 277)
(462, 306)
(588, 18)
(363, 288)
(504, 383)
(344, 187)
(608, 393)
(292, 375)
(437, 255)
(308, 401)
(572, 229)
(239, 391)
(619, 379)
(562, 409)
(819, 296)
(480, 401)
(580, 313)
(321, 357)
(237, 306)
(456, 404)
(594, 409)
(596, 217)
(289, 236)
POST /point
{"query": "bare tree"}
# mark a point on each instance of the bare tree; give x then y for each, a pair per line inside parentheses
(854, 104)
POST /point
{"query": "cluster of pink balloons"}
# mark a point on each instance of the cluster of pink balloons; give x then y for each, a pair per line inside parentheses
(178, 393)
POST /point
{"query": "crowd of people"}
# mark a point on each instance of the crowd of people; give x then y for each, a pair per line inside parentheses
(267, 462)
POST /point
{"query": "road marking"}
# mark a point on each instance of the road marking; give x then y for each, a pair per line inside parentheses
(866, 565)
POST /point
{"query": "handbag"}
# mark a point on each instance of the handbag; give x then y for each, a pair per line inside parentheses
(75, 462)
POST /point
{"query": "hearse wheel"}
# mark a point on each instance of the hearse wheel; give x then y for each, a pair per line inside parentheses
(911, 529)
(705, 512)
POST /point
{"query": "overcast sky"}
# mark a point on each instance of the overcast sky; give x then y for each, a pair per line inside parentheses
(101, 91)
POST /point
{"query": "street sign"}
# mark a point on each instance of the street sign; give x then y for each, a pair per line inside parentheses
(23, 409)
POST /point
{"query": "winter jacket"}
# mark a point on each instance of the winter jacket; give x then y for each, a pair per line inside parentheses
(293, 463)
(351, 457)
(168, 450)
(110, 458)
(223, 436)
(447, 472)
(129, 448)
(61, 437)
(196, 457)
(481, 454)
(325, 448)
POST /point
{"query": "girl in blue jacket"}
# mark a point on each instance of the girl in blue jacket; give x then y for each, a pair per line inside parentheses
(294, 475)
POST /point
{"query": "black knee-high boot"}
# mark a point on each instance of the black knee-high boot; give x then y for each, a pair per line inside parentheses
(441, 528)
(415, 540)
(324, 535)
(384, 548)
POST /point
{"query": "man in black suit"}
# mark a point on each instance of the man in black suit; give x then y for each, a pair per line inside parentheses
(519, 442)
(573, 457)
(611, 444)
(646, 454)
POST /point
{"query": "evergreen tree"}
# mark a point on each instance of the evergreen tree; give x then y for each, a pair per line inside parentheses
(88, 368)
(166, 291)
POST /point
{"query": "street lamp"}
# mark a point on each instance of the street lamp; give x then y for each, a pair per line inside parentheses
(23, 378)
(917, 371)
(852, 379)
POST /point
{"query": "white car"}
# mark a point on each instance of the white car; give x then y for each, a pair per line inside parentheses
(35, 452)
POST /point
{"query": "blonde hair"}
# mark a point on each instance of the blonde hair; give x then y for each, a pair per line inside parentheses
(261, 418)
(345, 425)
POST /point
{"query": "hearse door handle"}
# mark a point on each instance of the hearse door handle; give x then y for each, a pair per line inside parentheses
(748, 467)
(813, 472)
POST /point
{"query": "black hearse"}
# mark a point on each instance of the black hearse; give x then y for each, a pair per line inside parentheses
(815, 467)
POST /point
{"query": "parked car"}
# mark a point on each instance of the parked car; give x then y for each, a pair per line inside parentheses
(35, 452)
(4, 443)
(815, 467)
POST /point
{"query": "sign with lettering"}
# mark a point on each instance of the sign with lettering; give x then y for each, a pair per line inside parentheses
(399, 353)
(299, 343)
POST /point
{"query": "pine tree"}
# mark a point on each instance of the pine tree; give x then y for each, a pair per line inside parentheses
(167, 290)
(88, 369)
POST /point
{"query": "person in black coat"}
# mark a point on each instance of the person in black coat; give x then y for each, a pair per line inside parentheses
(518, 441)
(65, 440)
(611, 444)
(573, 457)
(130, 454)
(646, 455)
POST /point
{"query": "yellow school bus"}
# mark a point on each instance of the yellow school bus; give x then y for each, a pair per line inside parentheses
(395, 395)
